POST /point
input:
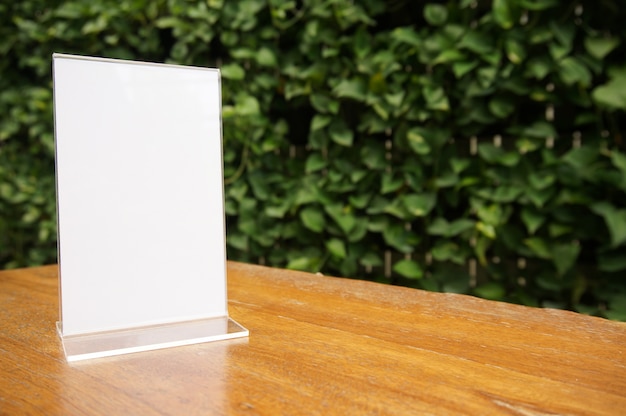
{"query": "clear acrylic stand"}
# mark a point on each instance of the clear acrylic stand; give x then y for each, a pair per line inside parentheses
(109, 343)
(140, 203)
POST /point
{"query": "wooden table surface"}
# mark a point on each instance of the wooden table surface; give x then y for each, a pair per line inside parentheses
(322, 346)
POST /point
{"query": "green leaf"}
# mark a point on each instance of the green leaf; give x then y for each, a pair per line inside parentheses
(31, 215)
(359, 231)
(615, 220)
(296, 89)
(362, 43)
(616, 315)
(340, 133)
(342, 216)
(242, 53)
(501, 107)
(409, 269)
(539, 95)
(526, 145)
(266, 57)
(447, 250)
(487, 76)
(313, 219)
(398, 237)
(619, 160)
(351, 88)
(377, 84)
(492, 154)
(494, 214)
(550, 282)
(468, 182)
(447, 180)
(320, 121)
(539, 197)
(541, 180)
(539, 130)
(397, 209)
(357, 175)
(371, 260)
(389, 183)
(260, 187)
(564, 256)
(229, 39)
(538, 4)
(489, 152)
(307, 264)
(532, 218)
(488, 230)
(395, 99)
(360, 200)
(373, 156)
(459, 226)
(581, 157)
(477, 42)
(613, 93)
(609, 96)
(613, 261)
(600, 47)
(462, 68)
(491, 291)
(238, 241)
(314, 163)
(96, 26)
(436, 98)
(406, 35)
(459, 164)
(417, 141)
(502, 193)
(233, 71)
(564, 31)
(504, 13)
(538, 67)
(452, 279)
(515, 51)
(423, 139)
(324, 104)
(420, 205)
(435, 14)
(277, 211)
(573, 71)
(247, 105)
(377, 223)
(573, 196)
(448, 56)
(336, 248)
(440, 226)
(539, 247)
(381, 110)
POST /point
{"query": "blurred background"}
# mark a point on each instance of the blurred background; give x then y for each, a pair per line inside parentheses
(464, 146)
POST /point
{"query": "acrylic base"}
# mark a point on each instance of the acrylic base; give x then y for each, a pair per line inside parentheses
(105, 344)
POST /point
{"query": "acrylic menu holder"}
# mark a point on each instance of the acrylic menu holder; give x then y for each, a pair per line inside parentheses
(140, 203)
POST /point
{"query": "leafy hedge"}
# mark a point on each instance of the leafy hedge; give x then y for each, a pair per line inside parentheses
(467, 146)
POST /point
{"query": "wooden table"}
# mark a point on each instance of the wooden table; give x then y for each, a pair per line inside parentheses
(323, 346)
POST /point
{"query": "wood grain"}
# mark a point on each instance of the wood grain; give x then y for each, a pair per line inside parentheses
(323, 346)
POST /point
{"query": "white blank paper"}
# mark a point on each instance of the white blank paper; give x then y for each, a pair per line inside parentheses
(139, 194)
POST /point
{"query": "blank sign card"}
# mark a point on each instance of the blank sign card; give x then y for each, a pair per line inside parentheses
(140, 206)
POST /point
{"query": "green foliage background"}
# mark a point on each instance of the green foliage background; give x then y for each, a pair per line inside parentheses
(465, 146)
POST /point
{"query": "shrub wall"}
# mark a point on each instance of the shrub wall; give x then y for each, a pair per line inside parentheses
(464, 146)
